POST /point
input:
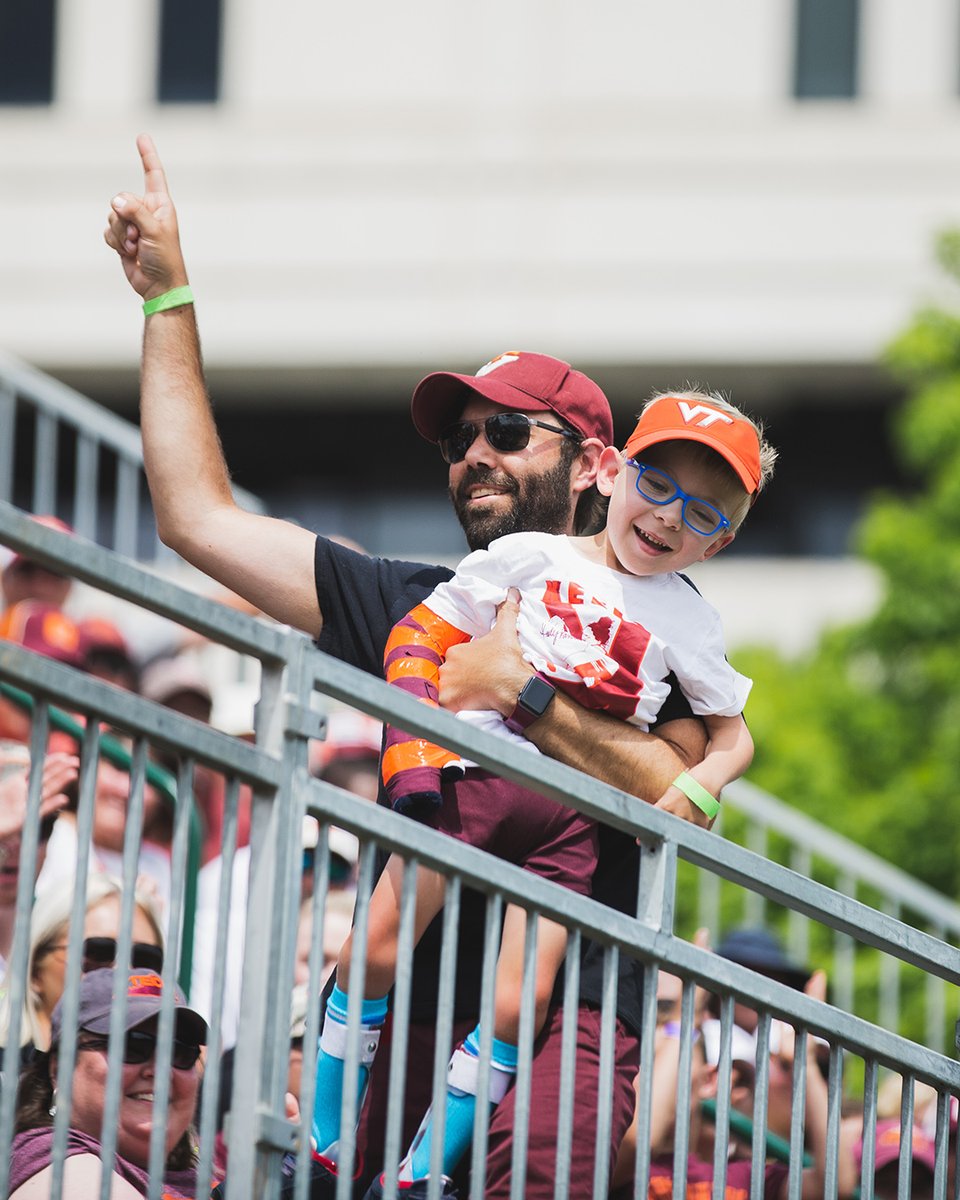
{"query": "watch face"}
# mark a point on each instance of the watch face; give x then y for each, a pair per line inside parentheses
(536, 695)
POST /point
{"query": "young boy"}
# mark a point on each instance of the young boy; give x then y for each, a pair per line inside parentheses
(606, 617)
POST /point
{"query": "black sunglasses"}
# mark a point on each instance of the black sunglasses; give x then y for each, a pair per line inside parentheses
(140, 1047)
(506, 432)
(100, 952)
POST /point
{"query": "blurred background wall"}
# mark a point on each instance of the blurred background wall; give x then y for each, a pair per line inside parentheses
(742, 194)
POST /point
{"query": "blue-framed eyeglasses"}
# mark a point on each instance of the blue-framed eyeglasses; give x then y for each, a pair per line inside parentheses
(660, 488)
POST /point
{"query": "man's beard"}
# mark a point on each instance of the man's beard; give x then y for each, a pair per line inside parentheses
(540, 503)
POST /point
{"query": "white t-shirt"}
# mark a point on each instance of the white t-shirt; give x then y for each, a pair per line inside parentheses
(607, 638)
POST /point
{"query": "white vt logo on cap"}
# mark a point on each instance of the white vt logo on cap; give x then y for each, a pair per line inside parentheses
(708, 416)
(500, 361)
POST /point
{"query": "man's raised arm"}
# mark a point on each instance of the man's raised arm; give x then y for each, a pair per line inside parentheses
(266, 561)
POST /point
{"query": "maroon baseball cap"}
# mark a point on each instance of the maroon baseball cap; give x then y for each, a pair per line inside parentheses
(144, 995)
(517, 380)
(44, 629)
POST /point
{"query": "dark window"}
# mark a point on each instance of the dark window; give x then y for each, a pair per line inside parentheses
(189, 68)
(26, 51)
(827, 35)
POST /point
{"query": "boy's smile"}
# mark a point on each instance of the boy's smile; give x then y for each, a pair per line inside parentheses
(645, 538)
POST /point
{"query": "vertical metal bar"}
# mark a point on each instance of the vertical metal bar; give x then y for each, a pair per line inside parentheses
(657, 885)
(69, 1003)
(356, 992)
(681, 1135)
(16, 974)
(648, 1033)
(131, 858)
(211, 1080)
(755, 905)
(798, 1105)
(171, 965)
(843, 953)
(608, 1018)
(936, 1012)
(521, 1126)
(758, 1150)
(8, 434)
(907, 1092)
(85, 484)
(798, 925)
(568, 1063)
(941, 1146)
(126, 510)
(311, 1033)
(45, 463)
(869, 1151)
(890, 979)
(400, 1021)
(445, 996)
(834, 1103)
(493, 922)
(724, 1082)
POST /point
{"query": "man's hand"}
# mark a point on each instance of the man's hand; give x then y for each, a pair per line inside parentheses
(487, 673)
(674, 801)
(143, 230)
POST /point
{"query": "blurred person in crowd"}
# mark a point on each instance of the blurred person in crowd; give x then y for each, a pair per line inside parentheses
(209, 930)
(111, 804)
(514, 477)
(179, 683)
(59, 773)
(349, 755)
(31, 1152)
(47, 958)
(703, 1086)
(105, 654)
(43, 629)
(23, 579)
(886, 1162)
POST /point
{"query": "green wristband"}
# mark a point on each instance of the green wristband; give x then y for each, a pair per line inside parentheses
(175, 298)
(697, 794)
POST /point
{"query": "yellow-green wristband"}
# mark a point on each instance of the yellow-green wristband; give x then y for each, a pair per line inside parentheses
(697, 794)
(175, 298)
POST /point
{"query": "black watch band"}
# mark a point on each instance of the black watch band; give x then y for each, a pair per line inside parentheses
(535, 698)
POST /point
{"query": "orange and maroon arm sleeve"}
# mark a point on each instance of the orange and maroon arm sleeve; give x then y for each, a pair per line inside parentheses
(415, 651)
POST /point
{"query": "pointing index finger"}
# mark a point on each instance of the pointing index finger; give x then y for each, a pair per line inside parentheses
(154, 180)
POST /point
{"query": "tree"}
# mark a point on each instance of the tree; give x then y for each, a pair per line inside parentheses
(865, 733)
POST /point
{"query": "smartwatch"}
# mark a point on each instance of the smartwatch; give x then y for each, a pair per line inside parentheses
(535, 698)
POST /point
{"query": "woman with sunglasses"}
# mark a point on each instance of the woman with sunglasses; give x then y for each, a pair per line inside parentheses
(47, 956)
(31, 1154)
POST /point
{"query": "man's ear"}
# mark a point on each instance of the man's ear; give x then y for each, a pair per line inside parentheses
(715, 547)
(585, 466)
(609, 465)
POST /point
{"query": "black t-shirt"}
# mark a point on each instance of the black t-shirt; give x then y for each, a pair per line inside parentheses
(361, 599)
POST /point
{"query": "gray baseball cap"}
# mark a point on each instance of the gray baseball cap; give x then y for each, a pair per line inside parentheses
(144, 997)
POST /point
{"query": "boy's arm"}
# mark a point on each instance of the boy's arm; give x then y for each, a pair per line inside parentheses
(729, 752)
(488, 673)
(268, 562)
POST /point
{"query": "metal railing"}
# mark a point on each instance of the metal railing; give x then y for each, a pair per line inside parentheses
(772, 828)
(62, 454)
(260, 1137)
(80, 442)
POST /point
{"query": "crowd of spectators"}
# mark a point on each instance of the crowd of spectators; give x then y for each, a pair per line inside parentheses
(37, 616)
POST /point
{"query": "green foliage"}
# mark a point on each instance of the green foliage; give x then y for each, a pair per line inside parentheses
(864, 733)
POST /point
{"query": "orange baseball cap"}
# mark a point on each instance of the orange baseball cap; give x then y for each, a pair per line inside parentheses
(673, 418)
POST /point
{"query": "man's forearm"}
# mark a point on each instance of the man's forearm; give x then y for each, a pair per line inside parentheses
(185, 467)
(643, 764)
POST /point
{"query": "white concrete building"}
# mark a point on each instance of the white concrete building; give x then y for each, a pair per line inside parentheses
(742, 192)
